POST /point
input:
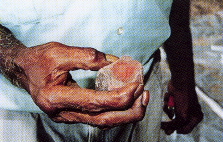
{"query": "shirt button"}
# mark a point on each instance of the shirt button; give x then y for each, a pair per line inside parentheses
(120, 30)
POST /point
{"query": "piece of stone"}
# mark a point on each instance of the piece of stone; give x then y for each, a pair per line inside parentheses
(116, 75)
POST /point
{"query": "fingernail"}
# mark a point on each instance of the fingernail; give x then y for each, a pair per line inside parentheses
(145, 98)
(139, 90)
(111, 58)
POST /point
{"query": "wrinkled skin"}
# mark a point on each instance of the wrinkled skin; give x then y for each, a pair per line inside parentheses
(43, 72)
(46, 77)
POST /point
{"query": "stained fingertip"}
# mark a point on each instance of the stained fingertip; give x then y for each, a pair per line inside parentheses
(145, 98)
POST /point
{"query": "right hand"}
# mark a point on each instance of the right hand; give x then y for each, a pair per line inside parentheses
(44, 73)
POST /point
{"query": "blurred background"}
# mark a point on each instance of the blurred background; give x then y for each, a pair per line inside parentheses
(207, 32)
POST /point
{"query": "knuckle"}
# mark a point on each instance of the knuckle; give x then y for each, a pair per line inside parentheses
(45, 101)
(51, 52)
(139, 115)
(54, 54)
(91, 54)
(103, 121)
(94, 56)
(124, 101)
(53, 49)
(57, 119)
(61, 119)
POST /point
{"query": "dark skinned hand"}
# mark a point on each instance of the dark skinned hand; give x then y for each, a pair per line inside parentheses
(187, 111)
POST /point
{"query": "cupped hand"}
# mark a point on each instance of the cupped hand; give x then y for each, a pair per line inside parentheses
(44, 73)
(187, 111)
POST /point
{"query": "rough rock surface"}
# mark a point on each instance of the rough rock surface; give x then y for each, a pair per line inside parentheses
(116, 75)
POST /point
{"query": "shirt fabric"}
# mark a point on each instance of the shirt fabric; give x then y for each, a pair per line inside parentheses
(130, 27)
(36, 127)
(133, 28)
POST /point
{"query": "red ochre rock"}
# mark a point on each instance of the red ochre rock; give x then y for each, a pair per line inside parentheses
(116, 75)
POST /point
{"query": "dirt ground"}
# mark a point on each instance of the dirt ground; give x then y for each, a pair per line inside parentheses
(204, 7)
(207, 32)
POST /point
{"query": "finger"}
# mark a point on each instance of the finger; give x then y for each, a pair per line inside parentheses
(172, 125)
(54, 98)
(111, 58)
(166, 97)
(194, 121)
(168, 127)
(181, 127)
(145, 98)
(106, 119)
(169, 111)
(71, 58)
(166, 108)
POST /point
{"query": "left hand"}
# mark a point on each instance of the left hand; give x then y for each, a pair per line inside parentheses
(187, 111)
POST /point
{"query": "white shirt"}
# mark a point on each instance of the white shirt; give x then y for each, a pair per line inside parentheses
(119, 27)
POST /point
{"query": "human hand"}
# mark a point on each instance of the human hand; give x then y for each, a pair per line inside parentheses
(187, 110)
(44, 73)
